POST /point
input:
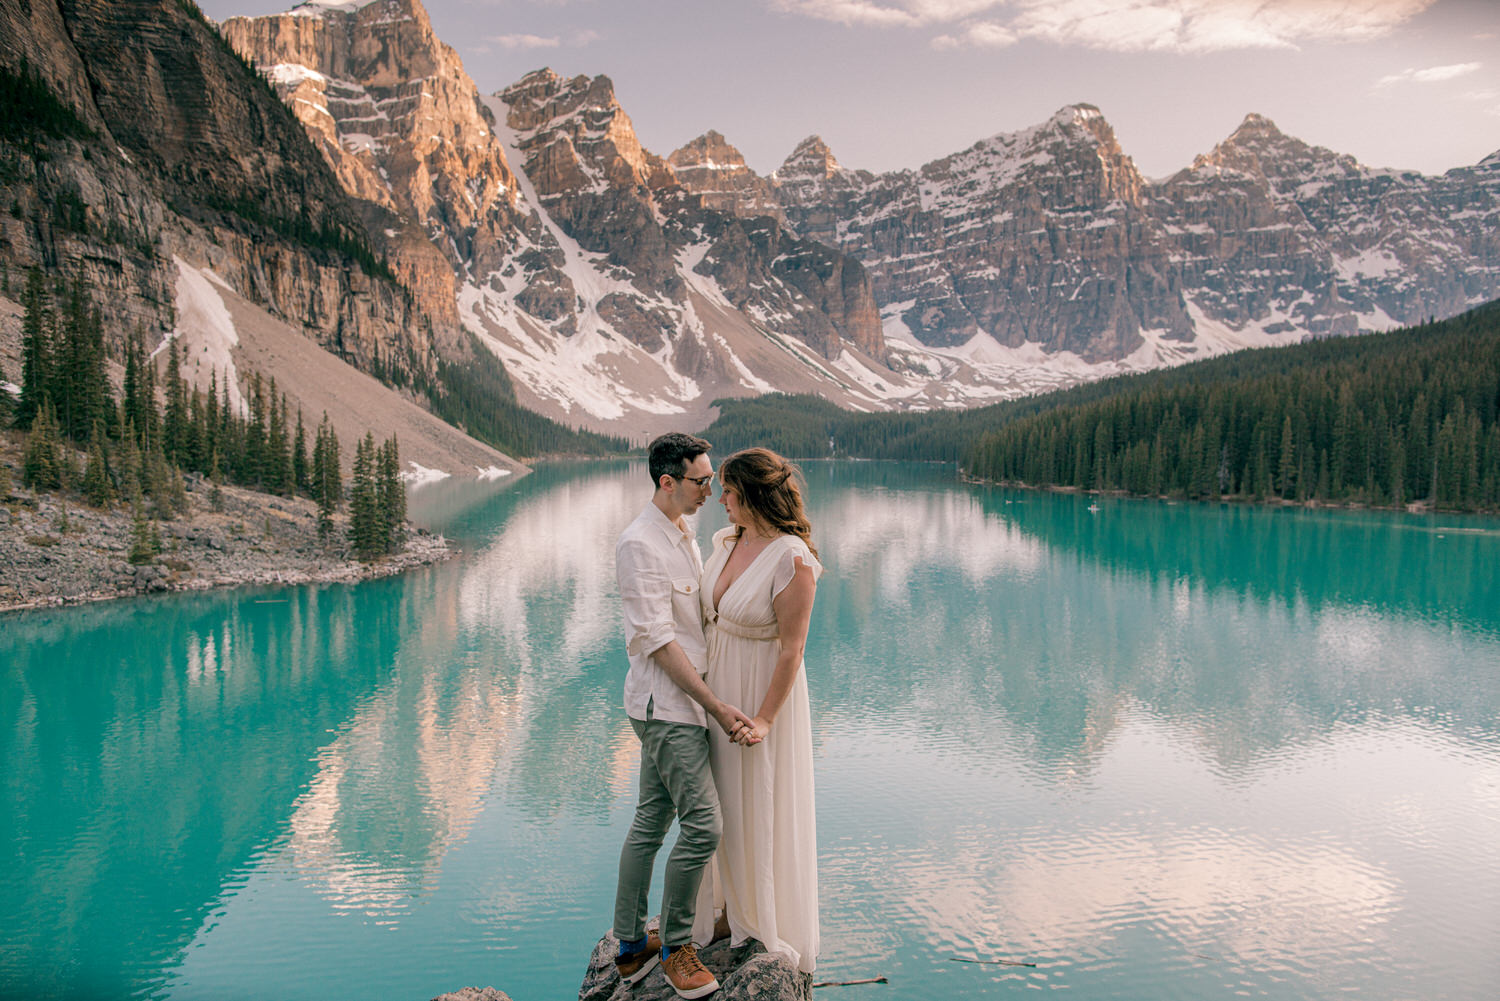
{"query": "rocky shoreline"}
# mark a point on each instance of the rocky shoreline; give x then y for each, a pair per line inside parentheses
(54, 550)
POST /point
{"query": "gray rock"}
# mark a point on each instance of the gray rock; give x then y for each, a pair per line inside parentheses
(474, 994)
(745, 973)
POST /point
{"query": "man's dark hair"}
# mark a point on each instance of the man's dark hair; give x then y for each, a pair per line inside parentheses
(671, 453)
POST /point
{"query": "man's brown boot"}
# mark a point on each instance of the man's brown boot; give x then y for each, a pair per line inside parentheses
(635, 965)
(687, 974)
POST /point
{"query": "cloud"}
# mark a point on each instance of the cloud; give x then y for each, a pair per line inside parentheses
(526, 41)
(980, 34)
(1433, 74)
(1124, 25)
(886, 13)
(1488, 96)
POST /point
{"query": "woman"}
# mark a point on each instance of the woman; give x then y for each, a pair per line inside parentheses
(757, 594)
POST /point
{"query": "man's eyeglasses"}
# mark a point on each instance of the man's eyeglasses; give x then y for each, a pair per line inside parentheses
(699, 481)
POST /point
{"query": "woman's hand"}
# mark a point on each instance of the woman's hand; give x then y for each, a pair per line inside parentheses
(749, 736)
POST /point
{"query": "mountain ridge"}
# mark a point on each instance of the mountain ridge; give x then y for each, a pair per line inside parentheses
(898, 216)
(624, 290)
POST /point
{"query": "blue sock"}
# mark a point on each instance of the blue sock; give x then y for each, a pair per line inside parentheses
(666, 950)
(627, 948)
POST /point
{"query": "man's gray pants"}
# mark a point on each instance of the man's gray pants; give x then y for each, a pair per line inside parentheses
(675, 781)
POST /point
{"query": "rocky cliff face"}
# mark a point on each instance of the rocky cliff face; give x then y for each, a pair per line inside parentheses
(1049, 243)
(401, 123)
(717, 173)
(592, 177)
(187, 156)
(575, 252)
(1270, 232)
(1038, 236)
(624, 290)
(720, 304)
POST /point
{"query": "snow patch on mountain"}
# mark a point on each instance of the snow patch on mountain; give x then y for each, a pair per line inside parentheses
(420, 476)
(320, 8)
(1377, 262)
(595, 369)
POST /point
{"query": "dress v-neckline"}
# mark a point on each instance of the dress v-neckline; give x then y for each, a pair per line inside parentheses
(740, 576)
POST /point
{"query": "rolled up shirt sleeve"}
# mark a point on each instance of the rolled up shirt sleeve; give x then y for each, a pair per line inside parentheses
(646, 598)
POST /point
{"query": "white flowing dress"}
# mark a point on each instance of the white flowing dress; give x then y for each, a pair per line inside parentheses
(765, 873)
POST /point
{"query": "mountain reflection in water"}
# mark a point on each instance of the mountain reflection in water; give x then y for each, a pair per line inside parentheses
(1157, 749)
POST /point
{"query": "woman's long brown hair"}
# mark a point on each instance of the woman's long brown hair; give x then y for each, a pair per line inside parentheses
(767, 487)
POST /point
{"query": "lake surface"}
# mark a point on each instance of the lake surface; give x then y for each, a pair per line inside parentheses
(1158, 751)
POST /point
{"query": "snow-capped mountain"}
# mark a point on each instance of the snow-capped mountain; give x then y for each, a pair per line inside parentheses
(615, 297)
(1049, 240)
(1271, 233)
(1038, 237)
(626, 291)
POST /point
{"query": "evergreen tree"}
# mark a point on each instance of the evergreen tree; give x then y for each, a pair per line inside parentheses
(175, 417)
(157, 475)
(79, 388)
(327, 477)
(1286, 463)
(278, 477)
(42, 464)
(36, 354)
(145, 541)
(253, 468)
(216, 478)
(98, 487)
(301, 475)
(392, 498)
(127, 465)
(195, 453)
(139, 404)
(366, 522)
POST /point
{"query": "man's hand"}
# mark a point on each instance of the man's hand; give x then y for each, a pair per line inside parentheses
(732, 720)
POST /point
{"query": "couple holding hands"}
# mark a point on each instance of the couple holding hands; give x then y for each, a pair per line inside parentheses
(725, 641)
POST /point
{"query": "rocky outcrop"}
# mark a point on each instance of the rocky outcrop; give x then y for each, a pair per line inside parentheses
(1051, 237)
(591, 176)
(1268, 229)
(717, 173)
(746, 973)
(187, 154)
(1038, 236)
(401, 123)
(553, 220)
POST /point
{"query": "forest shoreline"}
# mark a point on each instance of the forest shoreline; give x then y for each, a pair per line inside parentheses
(1269, 503)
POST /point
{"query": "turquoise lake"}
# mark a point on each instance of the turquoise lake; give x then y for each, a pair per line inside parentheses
(1160, 751)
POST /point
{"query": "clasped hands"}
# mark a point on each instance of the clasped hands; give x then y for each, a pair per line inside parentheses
(744, 730)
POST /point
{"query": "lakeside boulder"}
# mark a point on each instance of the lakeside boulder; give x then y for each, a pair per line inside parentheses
(746, 973)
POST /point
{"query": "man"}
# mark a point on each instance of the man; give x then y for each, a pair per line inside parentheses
(657, 564)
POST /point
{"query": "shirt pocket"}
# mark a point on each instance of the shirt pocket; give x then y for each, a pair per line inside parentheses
(685, 600)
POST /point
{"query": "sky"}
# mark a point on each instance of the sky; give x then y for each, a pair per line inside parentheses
(893, 84)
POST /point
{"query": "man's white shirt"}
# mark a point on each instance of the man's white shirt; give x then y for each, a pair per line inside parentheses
(657, 566)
